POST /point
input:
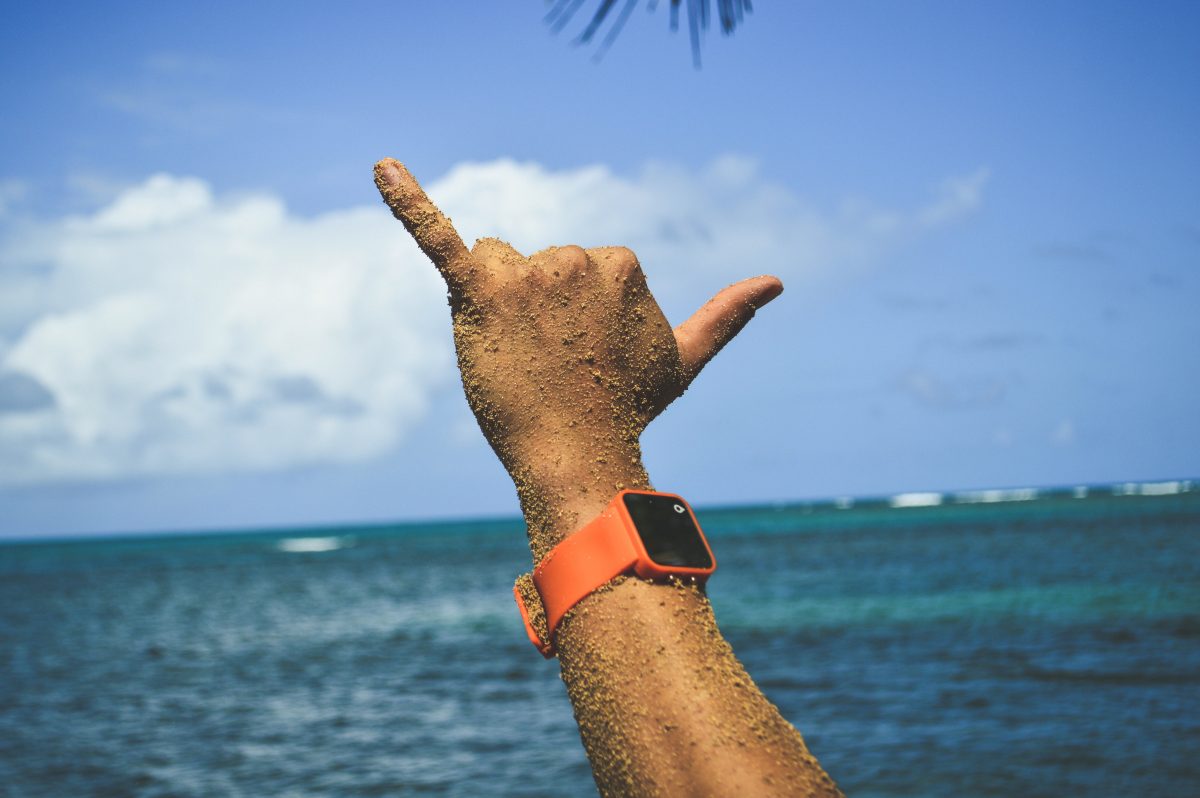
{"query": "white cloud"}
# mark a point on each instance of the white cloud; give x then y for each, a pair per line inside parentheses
(11, 193)
(956, 196)
(954, 393)
(175, 331)
(173, 62)
(727, 220)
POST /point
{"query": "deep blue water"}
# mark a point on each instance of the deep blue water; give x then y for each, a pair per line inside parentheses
(1035, 648)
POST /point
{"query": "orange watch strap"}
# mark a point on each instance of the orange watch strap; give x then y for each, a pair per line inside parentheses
(533, 614)
(582, 563)
(588, 559)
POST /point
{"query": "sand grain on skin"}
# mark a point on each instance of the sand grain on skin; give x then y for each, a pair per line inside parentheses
(635, 750)
(565, 358)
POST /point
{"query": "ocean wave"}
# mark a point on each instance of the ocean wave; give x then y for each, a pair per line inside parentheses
(312, 545)
(927, 499)
(996, 495)
(1169, 488)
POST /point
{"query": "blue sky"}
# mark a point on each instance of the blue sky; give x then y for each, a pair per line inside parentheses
(987, 217)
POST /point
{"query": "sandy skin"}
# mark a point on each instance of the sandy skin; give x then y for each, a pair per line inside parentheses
(565, 358)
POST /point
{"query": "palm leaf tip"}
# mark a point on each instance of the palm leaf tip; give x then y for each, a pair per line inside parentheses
(729, 13)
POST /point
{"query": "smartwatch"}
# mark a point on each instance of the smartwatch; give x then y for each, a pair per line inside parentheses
(653, 535)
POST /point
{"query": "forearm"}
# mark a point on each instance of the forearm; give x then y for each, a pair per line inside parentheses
(663, 706)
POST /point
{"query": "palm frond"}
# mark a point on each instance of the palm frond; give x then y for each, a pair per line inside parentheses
(730, 14)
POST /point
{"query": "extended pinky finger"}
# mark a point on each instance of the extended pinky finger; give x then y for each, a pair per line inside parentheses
(434, 233)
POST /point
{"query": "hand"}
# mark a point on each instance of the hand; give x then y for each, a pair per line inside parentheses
(565, 357)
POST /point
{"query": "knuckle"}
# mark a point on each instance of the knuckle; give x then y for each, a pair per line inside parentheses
(619, 262)
(624, 255)
(572, 257)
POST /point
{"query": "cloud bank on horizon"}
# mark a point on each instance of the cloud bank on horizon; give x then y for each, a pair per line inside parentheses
(175, 331)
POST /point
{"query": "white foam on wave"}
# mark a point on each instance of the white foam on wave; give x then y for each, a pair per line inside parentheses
(996, 495)
(1160, 488)
(927, 499)
(310, 545)
(1169, 488)
(933, 499)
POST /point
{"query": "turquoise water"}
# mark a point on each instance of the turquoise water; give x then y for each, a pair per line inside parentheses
(1045, 647)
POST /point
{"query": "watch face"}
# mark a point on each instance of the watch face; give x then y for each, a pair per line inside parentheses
(667, 531)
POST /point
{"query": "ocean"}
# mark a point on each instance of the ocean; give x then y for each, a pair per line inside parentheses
(1031, 643)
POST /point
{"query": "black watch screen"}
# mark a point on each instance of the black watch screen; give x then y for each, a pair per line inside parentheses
(667, 531)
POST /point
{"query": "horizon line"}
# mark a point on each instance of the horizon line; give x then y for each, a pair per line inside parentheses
(898, 501)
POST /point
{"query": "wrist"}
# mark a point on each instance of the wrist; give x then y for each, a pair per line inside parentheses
(639, 532)
(566, 489)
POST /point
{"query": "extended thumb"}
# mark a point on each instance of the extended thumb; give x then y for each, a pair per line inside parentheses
(720, 319)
